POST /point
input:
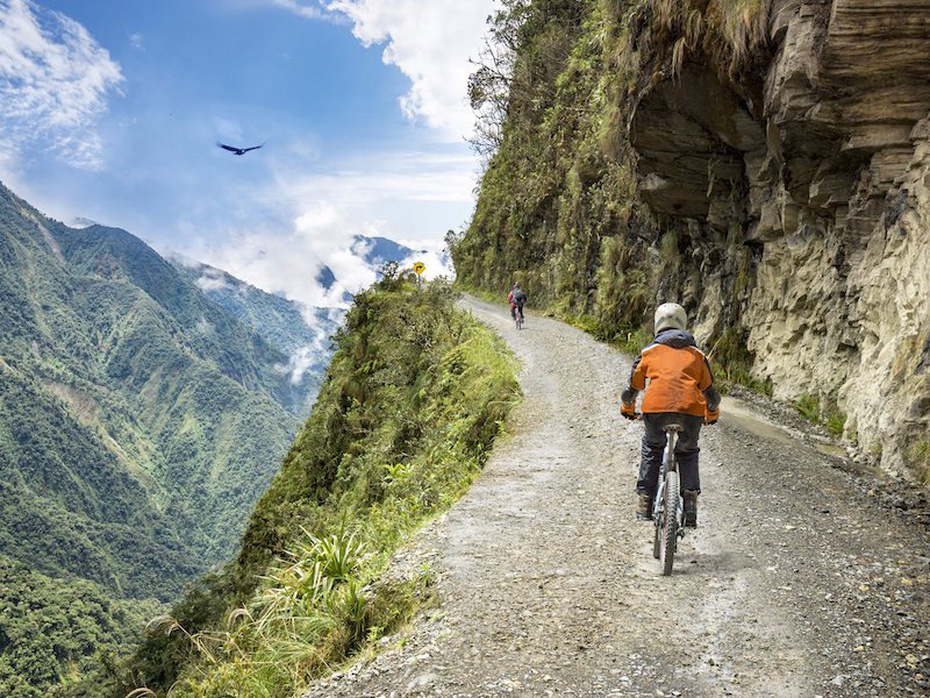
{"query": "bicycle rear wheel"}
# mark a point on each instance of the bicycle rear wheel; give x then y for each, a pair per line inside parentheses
(669, 525)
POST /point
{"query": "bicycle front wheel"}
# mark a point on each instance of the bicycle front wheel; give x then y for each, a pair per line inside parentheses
(657, 516)
(669, 528)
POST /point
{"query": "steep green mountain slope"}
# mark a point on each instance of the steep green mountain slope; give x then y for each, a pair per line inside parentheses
(139, 421)
(71, 501)
(301, 334)
(132, 403)
(413, 398)
(558, 209)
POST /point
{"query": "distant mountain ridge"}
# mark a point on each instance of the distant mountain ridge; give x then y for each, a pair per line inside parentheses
(145, 405)
(141, 420)
(300, 333)
(379, 250)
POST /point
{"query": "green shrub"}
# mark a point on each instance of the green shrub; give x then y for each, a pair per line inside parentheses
(828, 415)
(413, 399)
(809, 407)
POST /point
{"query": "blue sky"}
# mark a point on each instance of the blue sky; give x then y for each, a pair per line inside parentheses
(110, 112)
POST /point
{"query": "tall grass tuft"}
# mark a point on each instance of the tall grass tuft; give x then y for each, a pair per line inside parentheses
(730, 31)
(309, 614)
(742, 25)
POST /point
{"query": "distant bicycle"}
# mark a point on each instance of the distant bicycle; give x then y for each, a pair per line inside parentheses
(668, 509)
(518, 317)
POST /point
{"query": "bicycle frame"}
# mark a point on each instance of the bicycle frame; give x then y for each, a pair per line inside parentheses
(666, 527)
(668, 455)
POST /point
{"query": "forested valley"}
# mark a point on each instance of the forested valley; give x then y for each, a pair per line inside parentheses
(140, 423)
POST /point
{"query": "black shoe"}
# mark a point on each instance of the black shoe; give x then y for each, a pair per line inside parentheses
(690, 497)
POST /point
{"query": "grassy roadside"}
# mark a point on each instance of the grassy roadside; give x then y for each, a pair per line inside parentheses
(414, 397)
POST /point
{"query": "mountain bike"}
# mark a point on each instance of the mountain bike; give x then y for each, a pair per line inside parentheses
(518, 316)
(668, 509)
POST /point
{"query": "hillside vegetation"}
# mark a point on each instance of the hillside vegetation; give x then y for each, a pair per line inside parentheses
(55, 632)
(139, 424)
(560, 209)
(413, 398)
(762, 162)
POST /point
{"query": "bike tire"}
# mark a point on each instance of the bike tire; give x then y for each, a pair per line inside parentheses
(669, 528)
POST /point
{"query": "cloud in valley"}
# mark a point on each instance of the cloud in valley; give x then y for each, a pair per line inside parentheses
(324, 212)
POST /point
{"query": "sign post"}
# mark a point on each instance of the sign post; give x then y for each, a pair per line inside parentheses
(419, 268)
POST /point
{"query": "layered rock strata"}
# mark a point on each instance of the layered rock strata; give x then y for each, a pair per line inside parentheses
(825, 174)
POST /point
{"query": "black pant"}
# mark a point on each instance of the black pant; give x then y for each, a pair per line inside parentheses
(687, 450)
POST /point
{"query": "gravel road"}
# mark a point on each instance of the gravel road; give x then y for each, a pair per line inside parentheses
(807, 576)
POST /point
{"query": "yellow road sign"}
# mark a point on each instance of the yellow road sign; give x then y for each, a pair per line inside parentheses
(419, 267)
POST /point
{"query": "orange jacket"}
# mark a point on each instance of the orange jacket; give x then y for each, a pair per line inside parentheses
(678, 374)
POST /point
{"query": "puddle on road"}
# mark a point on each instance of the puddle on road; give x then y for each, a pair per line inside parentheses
(735, 412)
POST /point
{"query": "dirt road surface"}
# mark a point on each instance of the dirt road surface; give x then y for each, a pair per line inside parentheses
(807, 576)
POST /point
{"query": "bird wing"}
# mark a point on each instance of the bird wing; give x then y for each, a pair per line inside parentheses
(238, 151)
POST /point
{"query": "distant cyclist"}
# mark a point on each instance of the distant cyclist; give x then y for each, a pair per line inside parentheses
(517, 299)
(680, 390)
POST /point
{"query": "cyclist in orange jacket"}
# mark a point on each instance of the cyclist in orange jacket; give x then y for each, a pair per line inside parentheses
(680, 390)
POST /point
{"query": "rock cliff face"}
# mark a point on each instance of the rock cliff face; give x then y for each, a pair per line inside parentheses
(820, 167)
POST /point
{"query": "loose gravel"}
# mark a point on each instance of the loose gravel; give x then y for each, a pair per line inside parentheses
(809, 574)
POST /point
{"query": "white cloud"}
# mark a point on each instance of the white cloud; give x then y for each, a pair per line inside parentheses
(432, 254)
(310, 11)
(408, 178)
(326, 212)
(212, 280)
(303, 360)
(431, 42)
(55, 80)
(291, 261)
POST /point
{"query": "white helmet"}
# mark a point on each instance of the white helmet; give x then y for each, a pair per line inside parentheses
(670, 316)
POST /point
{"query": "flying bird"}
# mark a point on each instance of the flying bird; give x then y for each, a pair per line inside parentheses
(238, 151)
